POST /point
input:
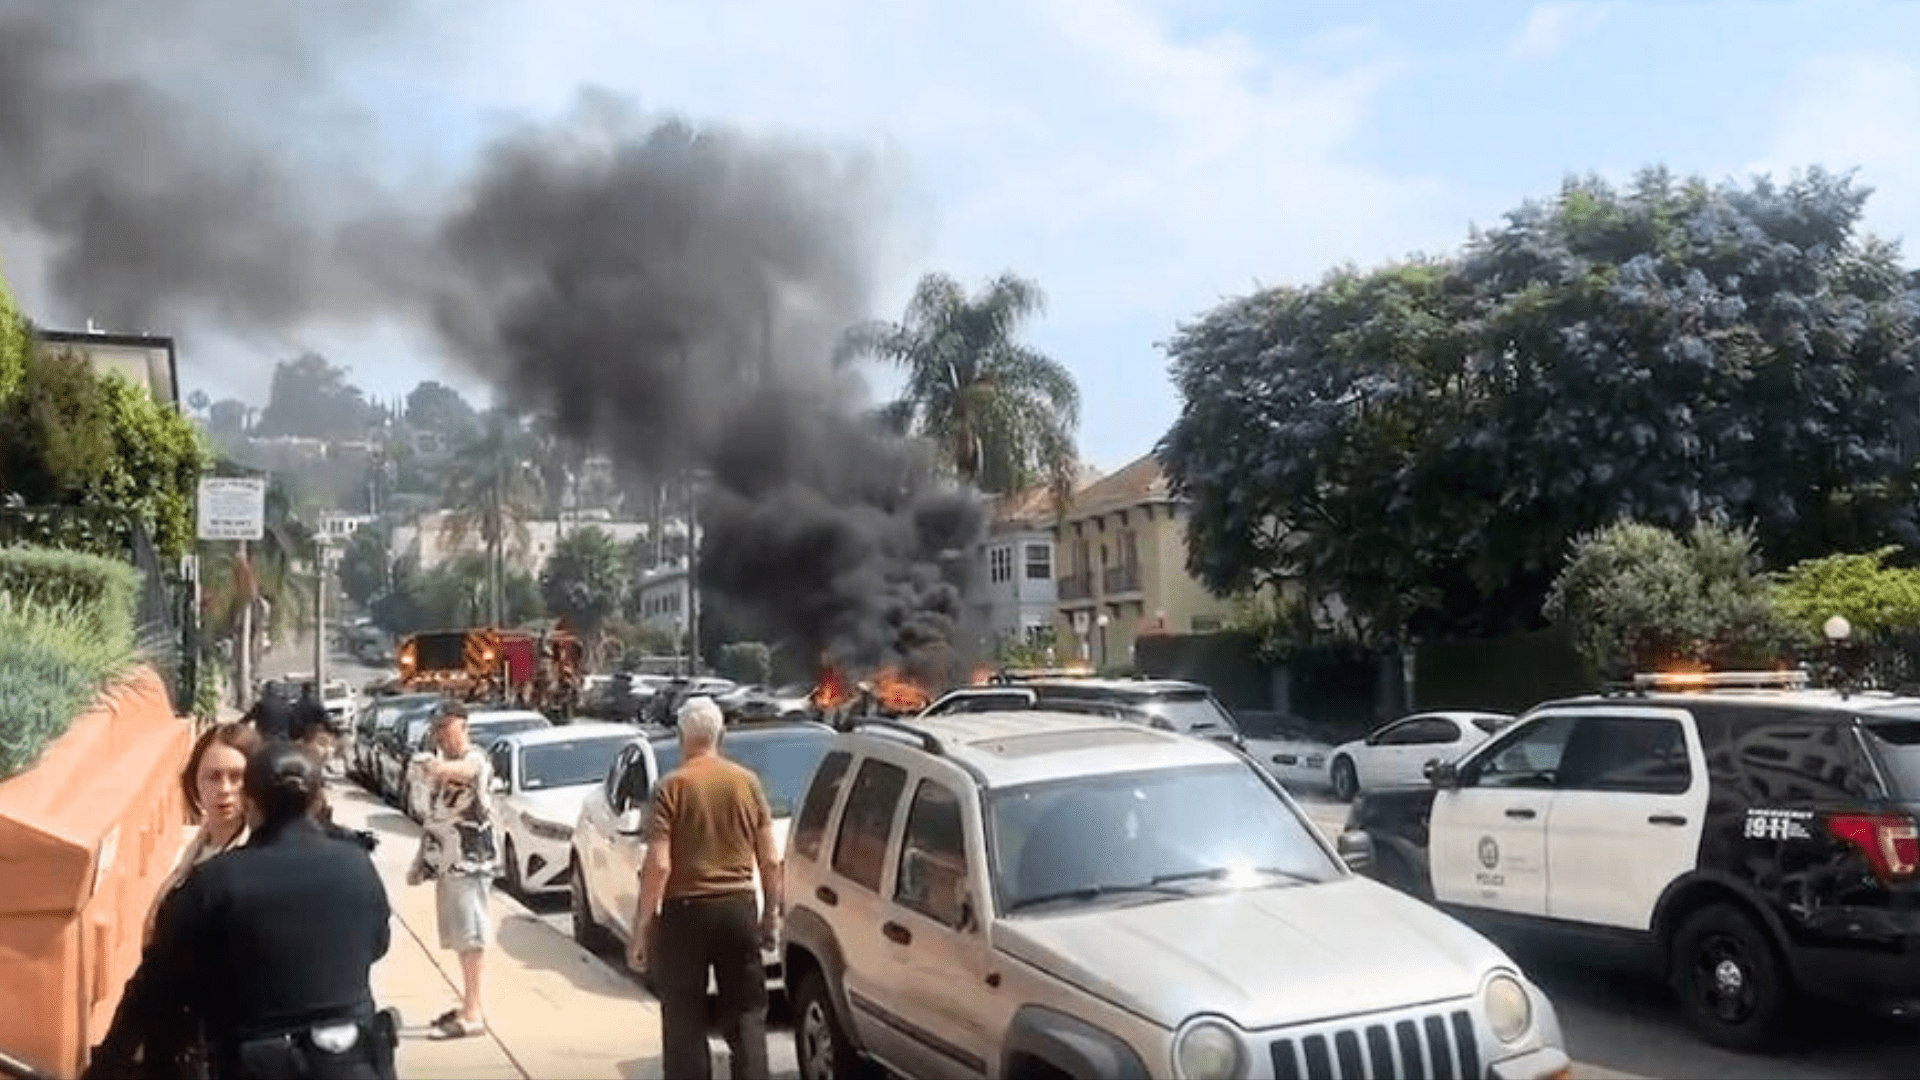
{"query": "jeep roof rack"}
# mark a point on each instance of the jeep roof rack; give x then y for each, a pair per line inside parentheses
(1721, 680)
(928, 740)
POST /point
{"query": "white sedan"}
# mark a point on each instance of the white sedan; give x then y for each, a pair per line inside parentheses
(1397, 754)
(540, 778)
(607, 845)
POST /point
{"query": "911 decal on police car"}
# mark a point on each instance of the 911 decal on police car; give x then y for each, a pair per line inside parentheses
(1770, 824)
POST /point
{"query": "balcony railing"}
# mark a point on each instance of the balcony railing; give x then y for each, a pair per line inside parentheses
(1119, 579)
(1075, 587)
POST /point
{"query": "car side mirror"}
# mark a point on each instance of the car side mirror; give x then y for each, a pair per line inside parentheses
(631, 822)
(1356, 850)
(1444, 775)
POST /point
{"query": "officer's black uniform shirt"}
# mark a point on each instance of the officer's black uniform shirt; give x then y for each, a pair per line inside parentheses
(275, 936)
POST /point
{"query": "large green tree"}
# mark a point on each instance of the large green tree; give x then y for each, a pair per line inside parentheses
(312, 398)
(70, 437)
(1424, 440)
(585, 579)
(1003, 413)
(16, 341)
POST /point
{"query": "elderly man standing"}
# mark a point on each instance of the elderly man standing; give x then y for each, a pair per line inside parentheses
(710, 828)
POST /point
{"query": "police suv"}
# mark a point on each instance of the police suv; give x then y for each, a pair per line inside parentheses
(1759, 834)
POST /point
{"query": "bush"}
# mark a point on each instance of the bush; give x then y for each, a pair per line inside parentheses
(56, 658)
(101, 591)
(745, 662)
(1636, 597)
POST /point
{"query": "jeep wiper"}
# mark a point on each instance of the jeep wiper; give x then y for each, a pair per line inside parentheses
(1092, 892)
(1219, 872)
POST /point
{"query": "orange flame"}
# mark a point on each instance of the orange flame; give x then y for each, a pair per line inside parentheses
(831, 692)
(981, 676)
(895, 693)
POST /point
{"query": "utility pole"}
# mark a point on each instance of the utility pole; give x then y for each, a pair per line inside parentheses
(693, 573)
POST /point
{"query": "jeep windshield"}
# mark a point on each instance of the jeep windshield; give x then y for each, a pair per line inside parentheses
(1157, 834)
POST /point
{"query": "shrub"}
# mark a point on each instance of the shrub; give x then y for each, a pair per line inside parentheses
(1636, 597)
(56, 658)
(100, 591)
(745, 662)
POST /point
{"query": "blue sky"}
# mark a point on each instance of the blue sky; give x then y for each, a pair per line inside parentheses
(1143, 158)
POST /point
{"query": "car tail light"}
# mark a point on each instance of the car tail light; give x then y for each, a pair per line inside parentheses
(1890, 842)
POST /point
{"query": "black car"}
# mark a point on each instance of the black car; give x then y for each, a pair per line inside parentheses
(1759, 838)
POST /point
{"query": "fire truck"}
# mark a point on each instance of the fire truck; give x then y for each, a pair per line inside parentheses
(534, 669)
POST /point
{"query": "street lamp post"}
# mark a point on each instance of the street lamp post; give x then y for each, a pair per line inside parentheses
(1102, 622)
(1837, 630)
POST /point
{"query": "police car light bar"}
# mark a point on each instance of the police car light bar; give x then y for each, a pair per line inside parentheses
(1722, 680)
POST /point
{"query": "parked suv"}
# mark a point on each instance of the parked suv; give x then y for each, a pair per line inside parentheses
(1759, 836)
(1033, 894)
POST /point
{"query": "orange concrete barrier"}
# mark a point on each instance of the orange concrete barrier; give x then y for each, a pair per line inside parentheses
(86, 837)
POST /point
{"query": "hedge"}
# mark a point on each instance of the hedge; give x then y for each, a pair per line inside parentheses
(55, 661)
(67, 633)
(98, 589)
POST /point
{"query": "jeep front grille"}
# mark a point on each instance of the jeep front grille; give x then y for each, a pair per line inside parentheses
(1440, 1046)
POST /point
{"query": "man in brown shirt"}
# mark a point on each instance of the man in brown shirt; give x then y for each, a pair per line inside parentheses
(710, 828)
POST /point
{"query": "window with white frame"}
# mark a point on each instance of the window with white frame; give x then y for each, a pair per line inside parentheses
(1039, 562)
(1000, 564)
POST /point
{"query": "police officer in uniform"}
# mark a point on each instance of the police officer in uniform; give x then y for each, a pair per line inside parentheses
(273, 944)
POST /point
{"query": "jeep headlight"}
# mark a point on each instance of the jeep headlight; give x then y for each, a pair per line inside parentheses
(1206, 1049)
(1509, 1008)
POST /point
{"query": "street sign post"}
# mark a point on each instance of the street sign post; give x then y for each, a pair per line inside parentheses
(232, 508)
(235, 508)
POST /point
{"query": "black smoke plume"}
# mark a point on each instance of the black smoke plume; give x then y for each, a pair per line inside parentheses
(668, 293)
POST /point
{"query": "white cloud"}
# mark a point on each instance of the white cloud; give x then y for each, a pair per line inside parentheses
(1138, 175)
(1552, 26)
(1856, 111)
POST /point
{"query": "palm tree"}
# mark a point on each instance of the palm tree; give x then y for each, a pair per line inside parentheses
(1003, 414)
(493, 487)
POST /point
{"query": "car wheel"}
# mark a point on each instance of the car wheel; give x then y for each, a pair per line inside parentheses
(1346, 782)
(515, 883)
(1729, 978)
(587, 933)
(820, 1044)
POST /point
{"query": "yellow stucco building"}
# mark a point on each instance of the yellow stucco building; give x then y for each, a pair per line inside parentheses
(1122, 555)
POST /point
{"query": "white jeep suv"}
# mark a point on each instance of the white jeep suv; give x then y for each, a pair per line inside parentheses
(1042, 895)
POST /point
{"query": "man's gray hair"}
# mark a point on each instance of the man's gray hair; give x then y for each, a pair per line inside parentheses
(700, 721)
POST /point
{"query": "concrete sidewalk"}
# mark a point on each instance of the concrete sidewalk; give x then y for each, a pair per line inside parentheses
(554, 1010)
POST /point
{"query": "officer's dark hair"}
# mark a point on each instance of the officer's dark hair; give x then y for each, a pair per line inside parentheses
(283, 781)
